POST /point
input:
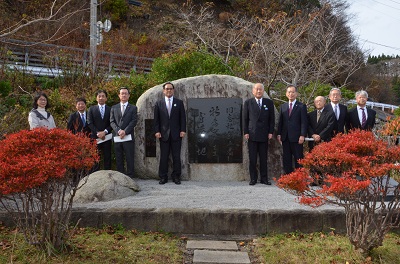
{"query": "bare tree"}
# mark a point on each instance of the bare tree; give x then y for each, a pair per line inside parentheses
(51, 20)
(223, 40)
(315, 47)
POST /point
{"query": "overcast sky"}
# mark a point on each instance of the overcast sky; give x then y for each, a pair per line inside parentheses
(377, 25)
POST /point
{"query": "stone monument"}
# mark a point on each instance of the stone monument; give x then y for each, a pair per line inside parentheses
(214, 147)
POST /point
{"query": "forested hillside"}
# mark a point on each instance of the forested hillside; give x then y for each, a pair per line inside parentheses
(277, 42)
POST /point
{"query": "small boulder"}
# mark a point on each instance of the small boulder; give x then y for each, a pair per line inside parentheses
(105, 185)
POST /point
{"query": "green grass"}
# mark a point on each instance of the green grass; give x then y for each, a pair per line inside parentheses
(107, 245)
(117, 245)
(322, 248)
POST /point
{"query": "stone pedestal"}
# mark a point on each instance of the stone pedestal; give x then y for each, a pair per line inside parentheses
(206, 86)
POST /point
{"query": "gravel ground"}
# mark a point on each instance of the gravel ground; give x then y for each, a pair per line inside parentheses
(212, 195)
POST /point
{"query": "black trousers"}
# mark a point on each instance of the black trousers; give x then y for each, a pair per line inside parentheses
(104, 150)
(124, 152)
(291, 150)
(173, 147)
(259, 149)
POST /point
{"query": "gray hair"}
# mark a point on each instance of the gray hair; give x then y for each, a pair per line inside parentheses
(362, 93)
(335, 89)
(262, 85)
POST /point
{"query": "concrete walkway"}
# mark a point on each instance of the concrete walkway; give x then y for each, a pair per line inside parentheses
(211, 251)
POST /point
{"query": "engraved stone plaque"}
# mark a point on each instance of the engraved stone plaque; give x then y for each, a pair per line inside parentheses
(214, 130)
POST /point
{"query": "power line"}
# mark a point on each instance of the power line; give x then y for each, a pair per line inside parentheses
(395, 2)
(386, 5)
(376, 10)
(379, 44)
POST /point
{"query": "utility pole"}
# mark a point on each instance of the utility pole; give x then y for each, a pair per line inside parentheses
(93, 34)
(96, 27)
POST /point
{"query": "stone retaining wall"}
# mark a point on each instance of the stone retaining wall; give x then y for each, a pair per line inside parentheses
(210, 222)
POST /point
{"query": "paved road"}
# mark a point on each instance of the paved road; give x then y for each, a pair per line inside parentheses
(211, 195)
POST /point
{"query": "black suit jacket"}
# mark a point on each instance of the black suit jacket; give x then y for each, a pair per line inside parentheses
(341, 122)
(293, 126)
(353, 121)
(258, 123)
(96, 123)
(125, 122)
(169, 125)
(324, 127)
(75, 124)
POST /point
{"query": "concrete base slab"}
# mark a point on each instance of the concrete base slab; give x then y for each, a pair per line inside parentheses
(225, 257)
(211, 244)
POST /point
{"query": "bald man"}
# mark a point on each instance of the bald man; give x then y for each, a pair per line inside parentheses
(321, 123)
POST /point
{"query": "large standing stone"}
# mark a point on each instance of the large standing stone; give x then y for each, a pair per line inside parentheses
(207, 86)
(105, 185)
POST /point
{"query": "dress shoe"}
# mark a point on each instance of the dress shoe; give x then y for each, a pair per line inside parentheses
(177, 181)
(266, 182)
(163, 181)
(252, 183)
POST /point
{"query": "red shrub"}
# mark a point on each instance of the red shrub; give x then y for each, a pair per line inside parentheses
(29, 158)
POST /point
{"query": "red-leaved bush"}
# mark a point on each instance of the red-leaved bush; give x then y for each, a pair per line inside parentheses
(39, 174)
(354, 171)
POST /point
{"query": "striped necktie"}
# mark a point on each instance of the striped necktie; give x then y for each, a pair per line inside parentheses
(336, 113)
(102, 111)
(363, 118)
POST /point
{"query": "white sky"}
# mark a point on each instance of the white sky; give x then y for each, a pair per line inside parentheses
(376, 23)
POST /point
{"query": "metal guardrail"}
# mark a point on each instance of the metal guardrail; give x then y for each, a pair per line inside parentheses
(376, 105)
(52, 60)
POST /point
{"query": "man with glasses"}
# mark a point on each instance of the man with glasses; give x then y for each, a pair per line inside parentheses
(361, 117)
(258, 127)
(339, 110)
(170, 128)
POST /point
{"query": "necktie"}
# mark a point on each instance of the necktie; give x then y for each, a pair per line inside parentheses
(318, 115)
(259, 103)
(363, 118)
(102, 111)
(122, 109)
(290, 108)
(169, 106)
(336, 113)
(83, 119)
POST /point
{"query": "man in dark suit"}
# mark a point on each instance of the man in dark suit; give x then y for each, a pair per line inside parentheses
(361, 117)
(77, 121)
(321, 123)
(292, 129)
(170, 128)
(99, 123)
(123, 120)
(258, 127)
(339, 110)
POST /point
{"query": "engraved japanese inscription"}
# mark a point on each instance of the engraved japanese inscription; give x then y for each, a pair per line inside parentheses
(214, 130)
